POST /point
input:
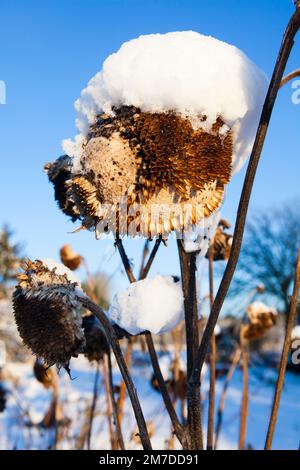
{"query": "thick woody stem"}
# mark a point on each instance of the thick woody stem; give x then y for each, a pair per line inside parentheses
(212, 360)
(188, 279)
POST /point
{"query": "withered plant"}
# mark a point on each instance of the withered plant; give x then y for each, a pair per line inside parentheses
(49, 301)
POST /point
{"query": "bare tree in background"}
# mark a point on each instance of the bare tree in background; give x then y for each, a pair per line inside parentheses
(10, 258)
(269, 253)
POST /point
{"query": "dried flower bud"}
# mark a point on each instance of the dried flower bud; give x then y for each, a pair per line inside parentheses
(222, 242)
(96, 342)
(43, 373)
(47, 312)
(69, 258)
(178, 385)
(260, 319)
(260, 288)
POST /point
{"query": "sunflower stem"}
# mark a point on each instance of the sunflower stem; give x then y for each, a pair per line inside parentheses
(188, 279)
(245, 397)
(114, 405)
(212, 360)
(112, 338)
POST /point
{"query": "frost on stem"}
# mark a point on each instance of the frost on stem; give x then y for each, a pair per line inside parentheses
(158, 127)
(47, 312)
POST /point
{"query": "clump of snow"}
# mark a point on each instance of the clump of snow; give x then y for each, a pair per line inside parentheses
(2, 354)
(199, 238)
(185, 72)
(74, 149)
(166, 363)
(296, 332)
(155, 305)
(61, 269)
(217, 330)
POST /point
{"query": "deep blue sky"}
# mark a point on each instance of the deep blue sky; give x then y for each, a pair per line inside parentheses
(48, 52)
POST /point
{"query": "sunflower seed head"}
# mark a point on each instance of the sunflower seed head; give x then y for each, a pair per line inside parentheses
(48, 314)
(151, 159)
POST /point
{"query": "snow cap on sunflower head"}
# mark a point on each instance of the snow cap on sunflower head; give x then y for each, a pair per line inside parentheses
(167, 121)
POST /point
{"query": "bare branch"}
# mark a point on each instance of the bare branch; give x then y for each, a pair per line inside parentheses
(284, 356)
(289, 77)
(146, 269)
(179, 431)
(93, 406)
(245, 398)
(221, 407)
(125, 260)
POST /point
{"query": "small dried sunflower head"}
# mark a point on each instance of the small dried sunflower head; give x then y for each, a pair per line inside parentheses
(260, 319)
(47, 312)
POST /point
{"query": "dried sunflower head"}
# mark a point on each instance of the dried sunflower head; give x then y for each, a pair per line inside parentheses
(158, 162)
(260, 319)
(69, 258)
(47, 312)
(158, 130)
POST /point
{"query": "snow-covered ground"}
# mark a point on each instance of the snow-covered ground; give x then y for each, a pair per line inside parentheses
(28, 400)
